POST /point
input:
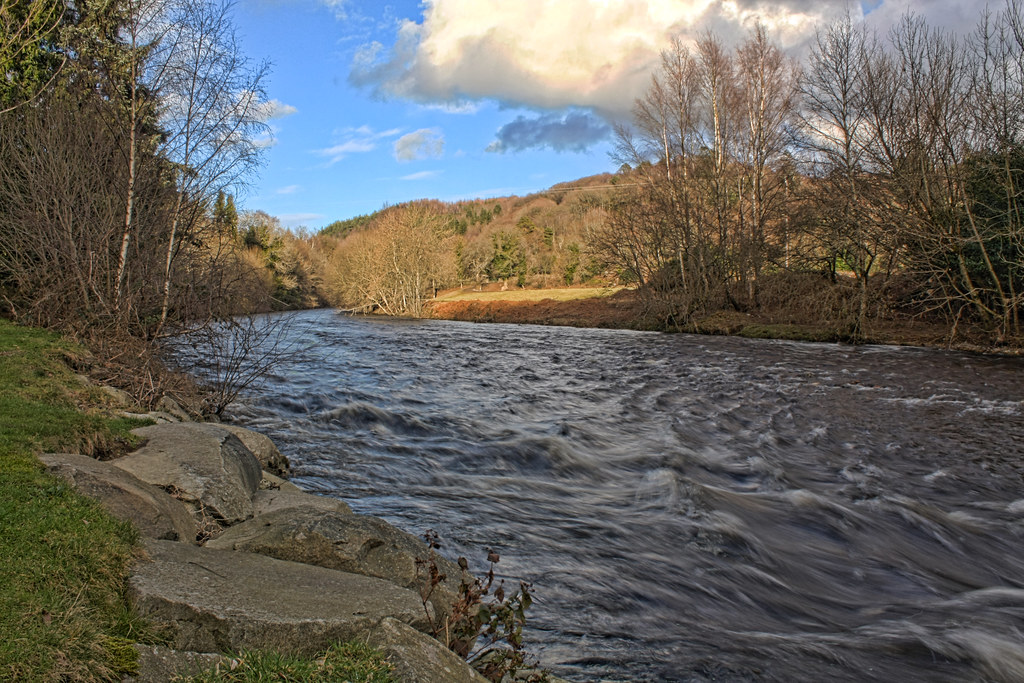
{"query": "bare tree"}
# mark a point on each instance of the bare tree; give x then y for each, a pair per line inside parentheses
(768, 81)
(717, 76)
(995, 174)
(853, 226)
(151, 39)
(397, 265)
(212, 109)
(61, 210)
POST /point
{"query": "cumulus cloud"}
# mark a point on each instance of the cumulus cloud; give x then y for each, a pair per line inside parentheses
(574, 132)
(426, 143)
(276, 109)
(554, 54)
(590, 54)
(355, 141)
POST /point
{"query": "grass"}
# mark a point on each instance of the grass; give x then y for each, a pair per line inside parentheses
(352, 662)
(809, 333)
(64, 561)
(63, 614)
(561, 294)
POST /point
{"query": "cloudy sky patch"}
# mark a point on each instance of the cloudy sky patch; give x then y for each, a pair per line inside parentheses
(574, 132)
(426, 143)
(537, 83)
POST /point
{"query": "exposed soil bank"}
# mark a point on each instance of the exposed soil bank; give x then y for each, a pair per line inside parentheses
(625, 310)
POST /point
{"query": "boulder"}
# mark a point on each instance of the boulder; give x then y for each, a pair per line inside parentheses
(160, 664)
(417, 657)
(288, 496)
(168, 405)
(207, 600)
(154, 513)
(200, 463)
(118, 397)
(263, 448)
(344, 541)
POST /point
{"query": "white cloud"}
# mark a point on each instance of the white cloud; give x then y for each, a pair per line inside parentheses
(553, 54)
(422, 175)
(956, 15)
(291, 189)
(276, 109)
(591, 54)
(355, 141)
(426, 143)
(463, 107)
(267, 139)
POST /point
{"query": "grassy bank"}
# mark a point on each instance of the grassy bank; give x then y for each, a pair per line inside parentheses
(63, 614)
(63, 609)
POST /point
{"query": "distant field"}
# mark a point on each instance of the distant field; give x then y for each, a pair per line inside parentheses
(565, 294)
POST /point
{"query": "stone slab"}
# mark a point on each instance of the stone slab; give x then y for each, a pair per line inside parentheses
(218, 600)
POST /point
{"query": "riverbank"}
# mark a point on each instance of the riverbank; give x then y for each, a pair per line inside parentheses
(621, 308)
(101, 553)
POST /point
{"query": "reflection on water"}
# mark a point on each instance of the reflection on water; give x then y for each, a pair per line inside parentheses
(688, 508)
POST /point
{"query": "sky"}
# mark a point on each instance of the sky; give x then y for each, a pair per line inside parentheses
(374, 103)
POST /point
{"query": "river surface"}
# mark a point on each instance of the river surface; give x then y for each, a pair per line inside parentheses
(687, 508)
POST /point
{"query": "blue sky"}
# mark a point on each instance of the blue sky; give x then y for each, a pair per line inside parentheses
(382, 102)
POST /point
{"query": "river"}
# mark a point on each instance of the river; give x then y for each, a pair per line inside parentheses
(687, 508)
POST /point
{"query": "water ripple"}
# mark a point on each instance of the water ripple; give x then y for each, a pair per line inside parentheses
(688, 508)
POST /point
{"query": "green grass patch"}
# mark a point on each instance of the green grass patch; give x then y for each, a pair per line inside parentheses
(352, 662)
(63, 614)
(64, 561)
(555, 294)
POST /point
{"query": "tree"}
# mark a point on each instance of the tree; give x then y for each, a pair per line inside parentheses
(508, 258)
(225, 216)
(28, 64)
(852, 206)
(212, 111)
(767, 80)
(398, 263)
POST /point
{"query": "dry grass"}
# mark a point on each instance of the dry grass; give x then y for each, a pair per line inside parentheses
(563, 294)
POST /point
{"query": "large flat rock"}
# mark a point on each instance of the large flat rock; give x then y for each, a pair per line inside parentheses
(217, 600)
(153, 512)
(203, 464)
(348, 542)
(289, 496)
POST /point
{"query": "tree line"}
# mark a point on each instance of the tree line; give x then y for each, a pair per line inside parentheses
(889, 164)
(878, 177)
(125, 128)
(395, 260)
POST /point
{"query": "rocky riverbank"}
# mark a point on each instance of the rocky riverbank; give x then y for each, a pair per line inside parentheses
(236, 557)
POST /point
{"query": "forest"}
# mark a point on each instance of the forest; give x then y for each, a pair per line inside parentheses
(875, 180)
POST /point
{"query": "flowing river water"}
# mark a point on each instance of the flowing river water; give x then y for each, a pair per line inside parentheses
(687, 508)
